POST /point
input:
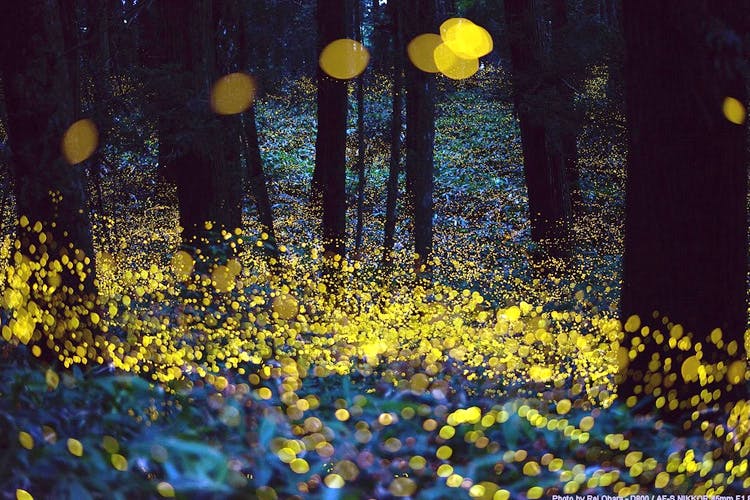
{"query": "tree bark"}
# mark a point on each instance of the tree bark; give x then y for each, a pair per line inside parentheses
(329, 176)
(257, 178)
(200, 150)
(394, 169)
(361, 174)
(568, 126)
(380, 37)
(40, 106)
(420, 133)
(544, 163)
(72, 41)
(100, 70)
(256, 174)
(686, 215)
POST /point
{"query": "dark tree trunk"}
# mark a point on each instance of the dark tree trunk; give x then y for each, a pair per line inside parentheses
(257, 178)
(610, 12)
(361, 177)
(72, 41)
(256, 175)
(100, 70)
(39, 103)
(329, 187)
(544, 163)
(420, 133)
(686, 216)
(6, 189)
(40, 106)
(380, 37)
(568, 126)
(201, 151)
(391, 202)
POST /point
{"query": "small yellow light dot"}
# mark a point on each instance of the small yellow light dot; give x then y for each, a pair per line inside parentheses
(75, 447)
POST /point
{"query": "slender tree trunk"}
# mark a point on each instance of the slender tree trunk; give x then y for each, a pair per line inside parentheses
(131, 38)
(686, 215)
(101, 73)
(256, 174)
(380, 37)
(361, 177)
(420, 134)
(329, 186)
(5, 158)
(257, 178)
(568, 126)
(544, 165)
(394, 169)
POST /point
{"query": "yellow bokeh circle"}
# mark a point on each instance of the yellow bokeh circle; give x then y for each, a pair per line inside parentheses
(223, 279)
(182, 264)
(286, 306)
(79, 141)
(453, 66)
(421, 51)
(232, 94)
(466, 39)
(344, 59)
(734, 110)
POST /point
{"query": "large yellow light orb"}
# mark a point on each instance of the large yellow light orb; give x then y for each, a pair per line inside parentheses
(466, 39)
(286, 306)
(182, 264)
(232, 94)
(421, 51)
(734, 110)
(344, 59)
(453, 66)
(79, 141)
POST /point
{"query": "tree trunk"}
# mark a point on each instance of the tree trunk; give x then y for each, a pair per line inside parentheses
(329, 186)
(394, 169)
(200, 150)
(6, 187)
(544, 164)
(568, 125)
(257, 178)
(686, 216)
(72, 41)
(361, 178)
(256, 175)
(100, 70)
(420, 133)
(40, 107)
(380, 37)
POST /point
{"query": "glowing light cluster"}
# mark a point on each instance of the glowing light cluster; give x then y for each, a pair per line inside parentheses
(455, 52)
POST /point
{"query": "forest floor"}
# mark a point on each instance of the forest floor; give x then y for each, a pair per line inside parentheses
(495, 380)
